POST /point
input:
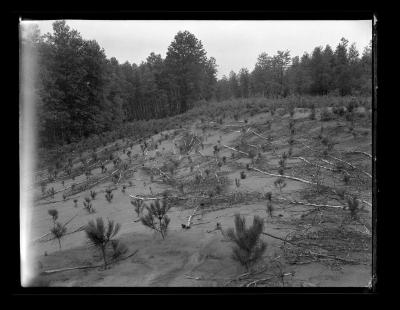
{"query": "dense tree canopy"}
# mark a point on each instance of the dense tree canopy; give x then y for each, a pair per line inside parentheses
(81, 92)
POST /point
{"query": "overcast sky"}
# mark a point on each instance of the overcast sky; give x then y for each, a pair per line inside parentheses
(234, 44)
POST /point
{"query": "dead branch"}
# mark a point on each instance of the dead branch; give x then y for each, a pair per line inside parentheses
(310, 204)
(283, 176)
(233, 149)
(189, 222)
(312, 252)
(145, 198)
(340, 160)
(359, 152)
(323, 167)
(87, 267)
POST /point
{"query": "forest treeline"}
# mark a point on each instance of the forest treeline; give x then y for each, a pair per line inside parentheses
(80, 92)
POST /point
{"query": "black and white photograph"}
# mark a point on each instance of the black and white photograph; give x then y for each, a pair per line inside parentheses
(197, 153)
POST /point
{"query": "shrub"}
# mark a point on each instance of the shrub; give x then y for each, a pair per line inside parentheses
(248, 248)
(156, 217)
(100, 236)
(76, 203)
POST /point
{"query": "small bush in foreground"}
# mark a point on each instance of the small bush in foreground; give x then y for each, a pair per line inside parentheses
(156, 217)
(58, 232)
(100, 235)
(248, 248)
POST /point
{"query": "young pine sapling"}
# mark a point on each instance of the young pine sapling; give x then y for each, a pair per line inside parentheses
(270, 209)
(87, 205)
(100, 235)
(109, 195)
(248, 248)
(93, 194)
(156, 217)
(280, 183)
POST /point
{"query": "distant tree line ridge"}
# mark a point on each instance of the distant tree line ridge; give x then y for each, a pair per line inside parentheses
(79, 92)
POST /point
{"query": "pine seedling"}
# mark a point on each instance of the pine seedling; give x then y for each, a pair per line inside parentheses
(93, 194)
(64, 196)
(224, 159)
(353, 206)
(252, 154)
(139, 206)
(54, 215)
(109, 195)
(248, 246)
(76, 203)
(341, 193)
(312, 114)
(100, 236)
(237, 183)
(280, 183)
(346, 179)
(58, 231)
(123, 188)
(156, 217)
(242, 175)
(87, 205)
(268, 197)
(51, 192)
(118, 248)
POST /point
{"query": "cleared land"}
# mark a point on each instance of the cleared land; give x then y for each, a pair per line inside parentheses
(313, 238)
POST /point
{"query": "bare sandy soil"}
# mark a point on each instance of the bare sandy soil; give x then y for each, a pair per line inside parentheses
(201, 255)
